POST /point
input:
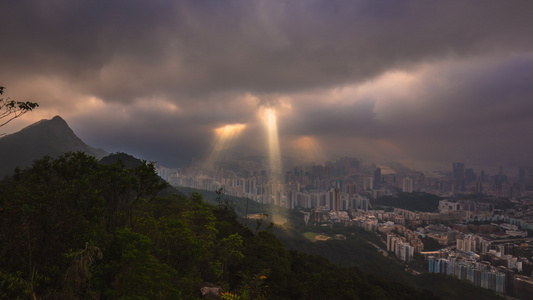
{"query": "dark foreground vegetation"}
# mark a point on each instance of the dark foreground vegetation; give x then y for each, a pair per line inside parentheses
(410, 201)
(74, 228)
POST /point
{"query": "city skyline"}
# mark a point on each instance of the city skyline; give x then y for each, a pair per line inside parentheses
(423, 84)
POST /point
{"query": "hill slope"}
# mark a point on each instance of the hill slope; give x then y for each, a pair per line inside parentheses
(105, 234)
(46, 137)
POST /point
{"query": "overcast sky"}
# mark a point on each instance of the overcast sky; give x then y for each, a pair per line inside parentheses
(424, 83)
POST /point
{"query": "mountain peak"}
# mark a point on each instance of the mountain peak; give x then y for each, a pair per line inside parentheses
(45, 137)
(55, 121)
(58, 119)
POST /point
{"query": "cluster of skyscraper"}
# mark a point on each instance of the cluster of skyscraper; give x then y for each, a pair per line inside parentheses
(479, 273)
(400, 248)
(340, 192)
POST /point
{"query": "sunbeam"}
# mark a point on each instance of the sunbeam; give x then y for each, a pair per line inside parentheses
(225, 135)
(273, 144)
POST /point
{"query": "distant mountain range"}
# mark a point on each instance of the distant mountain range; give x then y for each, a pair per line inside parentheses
(46, 137)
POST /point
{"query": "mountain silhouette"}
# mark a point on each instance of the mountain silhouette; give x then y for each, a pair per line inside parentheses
(46, 137)
(129, 161)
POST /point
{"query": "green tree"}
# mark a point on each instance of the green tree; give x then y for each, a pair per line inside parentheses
(57, 206)
(124, 188)
(45, 211)
(224, 205)
(230, 252)
(141, 275)
(76, 281)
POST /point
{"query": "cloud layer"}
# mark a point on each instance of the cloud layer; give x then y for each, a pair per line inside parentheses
(425, 83)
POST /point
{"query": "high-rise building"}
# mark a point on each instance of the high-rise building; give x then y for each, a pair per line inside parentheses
(331, 199)
(351, 189)
(479, 187)
(422, 180)
(459, 175)
(377, 178)
(291, 199)
(482, 176)
(522, 172)
(368, 183)
(407, 185)
(337, 203)
(339, 183)
(470, 176)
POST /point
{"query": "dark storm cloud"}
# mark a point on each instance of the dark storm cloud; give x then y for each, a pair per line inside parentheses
(333, 119)
(192, 66)
(121, 50)
(485, 115)
(470, 112)
(164, 138)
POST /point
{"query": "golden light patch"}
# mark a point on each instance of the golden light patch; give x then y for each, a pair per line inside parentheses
(230, 130)
(225, 135)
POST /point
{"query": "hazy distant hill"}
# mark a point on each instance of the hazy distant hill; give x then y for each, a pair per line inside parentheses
(46, 137)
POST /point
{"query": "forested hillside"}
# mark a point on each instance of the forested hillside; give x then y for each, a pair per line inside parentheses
(73, 228)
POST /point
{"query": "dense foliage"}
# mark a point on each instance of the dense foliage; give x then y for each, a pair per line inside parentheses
(498, 202)
(73, 228)
(410, 201)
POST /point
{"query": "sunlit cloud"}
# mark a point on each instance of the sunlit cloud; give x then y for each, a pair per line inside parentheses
(230, 130)
(224, 138)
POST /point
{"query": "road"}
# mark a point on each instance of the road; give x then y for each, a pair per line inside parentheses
(384, 252)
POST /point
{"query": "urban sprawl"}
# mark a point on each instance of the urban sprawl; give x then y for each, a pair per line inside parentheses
(478, 241)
